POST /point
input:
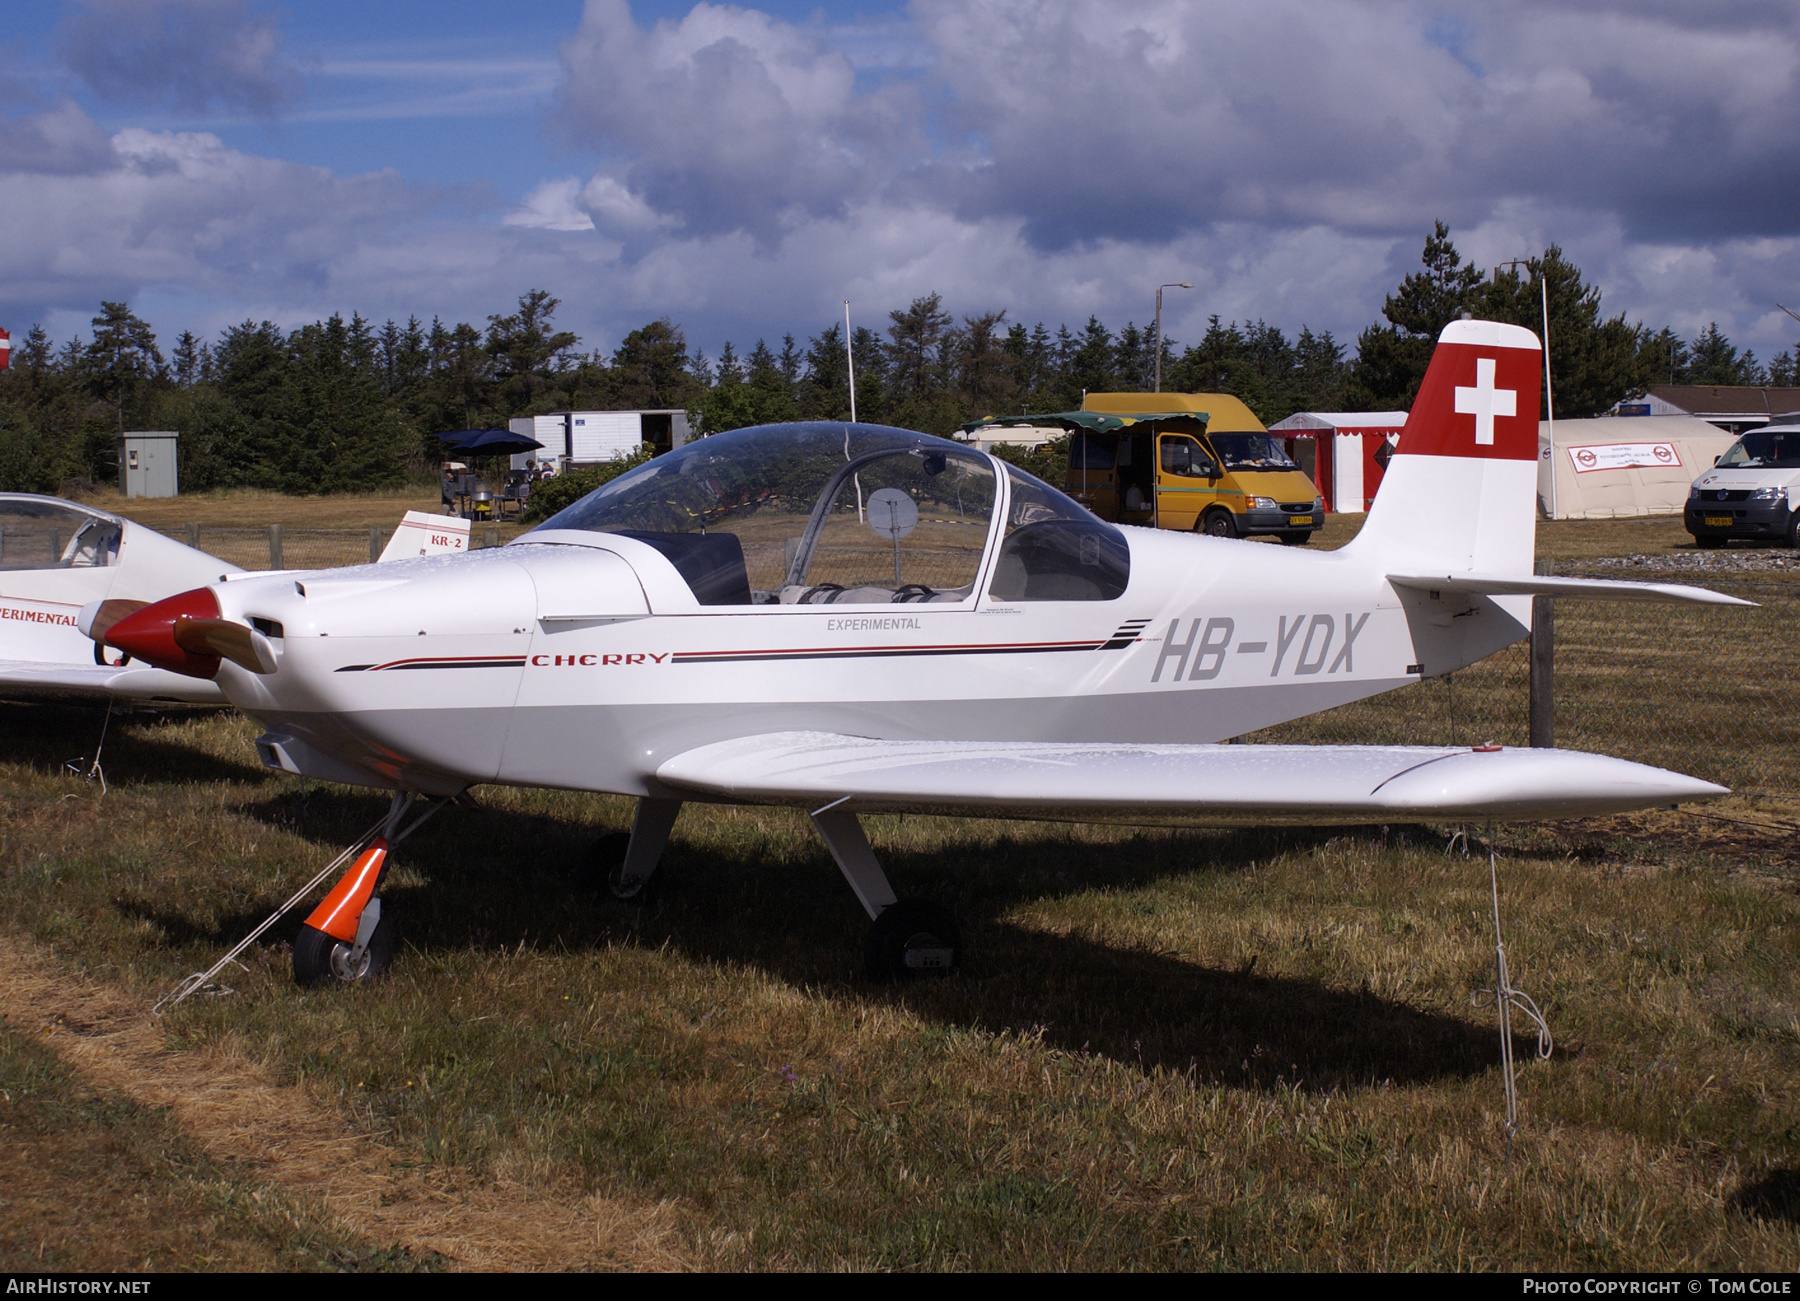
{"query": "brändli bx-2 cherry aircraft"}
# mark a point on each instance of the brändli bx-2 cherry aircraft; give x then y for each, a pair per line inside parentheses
(853, 619)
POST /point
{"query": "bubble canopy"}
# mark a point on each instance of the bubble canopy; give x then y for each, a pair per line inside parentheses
(826, 512)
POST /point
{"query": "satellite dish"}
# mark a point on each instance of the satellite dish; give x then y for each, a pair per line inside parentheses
(891, 513)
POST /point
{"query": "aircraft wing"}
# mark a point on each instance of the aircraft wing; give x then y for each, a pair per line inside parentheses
(1214, 785)
(1590, 589)
(131, 682)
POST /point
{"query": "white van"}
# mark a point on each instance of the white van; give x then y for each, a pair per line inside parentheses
(1753, 491)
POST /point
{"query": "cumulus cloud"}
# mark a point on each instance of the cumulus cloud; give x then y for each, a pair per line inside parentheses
(1052, 157)
(1375, 115)
(551, 207)
(183, 209)
(1083, 133)
(190, 55)
(730, 119)
(61, 140)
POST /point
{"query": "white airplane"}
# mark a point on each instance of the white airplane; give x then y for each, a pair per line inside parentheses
(852, 619)
(57, 557)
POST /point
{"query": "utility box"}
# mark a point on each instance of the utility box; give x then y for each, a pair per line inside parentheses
(147, 463)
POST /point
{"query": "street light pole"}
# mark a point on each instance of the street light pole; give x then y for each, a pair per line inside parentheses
(1171, 285)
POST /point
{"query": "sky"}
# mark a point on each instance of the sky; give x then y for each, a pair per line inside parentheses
(745, 170)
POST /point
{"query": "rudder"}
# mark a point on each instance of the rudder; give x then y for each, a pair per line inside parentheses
(1460, 491)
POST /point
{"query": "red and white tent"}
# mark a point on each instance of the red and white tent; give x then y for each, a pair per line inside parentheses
(1344, 452)
(5, 350)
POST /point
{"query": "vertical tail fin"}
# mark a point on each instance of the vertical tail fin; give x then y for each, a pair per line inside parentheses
(1460, 493)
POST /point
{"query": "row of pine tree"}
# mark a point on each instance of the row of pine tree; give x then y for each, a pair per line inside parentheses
(343, 405)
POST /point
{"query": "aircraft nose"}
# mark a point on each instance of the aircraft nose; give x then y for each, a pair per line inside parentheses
(152, 634)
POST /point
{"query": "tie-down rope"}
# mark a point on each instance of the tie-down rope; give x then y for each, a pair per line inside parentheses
(1506, 999)
(388, 823)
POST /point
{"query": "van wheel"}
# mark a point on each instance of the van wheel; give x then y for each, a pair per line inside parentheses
(1218, 523)
(1794, 531)
(1296, 537)
(1712, 542)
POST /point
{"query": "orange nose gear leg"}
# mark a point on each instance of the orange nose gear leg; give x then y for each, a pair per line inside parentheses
(342, 909)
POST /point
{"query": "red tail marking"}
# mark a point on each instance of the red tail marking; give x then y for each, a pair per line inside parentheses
(1479, 397)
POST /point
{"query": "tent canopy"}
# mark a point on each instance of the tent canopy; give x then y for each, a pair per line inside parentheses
(1614, 467)
(1092, 421)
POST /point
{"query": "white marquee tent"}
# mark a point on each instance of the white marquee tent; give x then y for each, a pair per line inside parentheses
(1620, 466)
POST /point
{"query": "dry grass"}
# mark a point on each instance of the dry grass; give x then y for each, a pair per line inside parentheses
(96, 1181)
(255, 508)
(1168, 1049)
(228, 1106)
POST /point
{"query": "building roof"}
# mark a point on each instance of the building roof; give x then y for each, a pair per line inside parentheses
(1728, 399)
(1342, 420)
(1222, 412)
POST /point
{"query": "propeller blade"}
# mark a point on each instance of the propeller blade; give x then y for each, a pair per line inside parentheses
(242, 645)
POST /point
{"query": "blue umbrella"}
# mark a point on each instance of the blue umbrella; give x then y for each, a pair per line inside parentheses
(497, 442)
(461, 438)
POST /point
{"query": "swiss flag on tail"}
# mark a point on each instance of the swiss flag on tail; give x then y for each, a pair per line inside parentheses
(5, 349)
(1480, 395)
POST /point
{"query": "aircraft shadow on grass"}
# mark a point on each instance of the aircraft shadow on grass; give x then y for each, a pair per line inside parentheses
(46, 737)
(495, 879)
(1774, 1196)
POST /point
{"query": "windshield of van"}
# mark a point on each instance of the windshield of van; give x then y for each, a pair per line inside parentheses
(1770, 449)
(1251, 452)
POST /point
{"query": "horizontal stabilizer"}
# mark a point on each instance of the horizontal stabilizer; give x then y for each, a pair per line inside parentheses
(1210, 785)
(1585, 589)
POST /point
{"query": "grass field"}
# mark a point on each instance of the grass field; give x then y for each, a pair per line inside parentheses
(1167, 1050)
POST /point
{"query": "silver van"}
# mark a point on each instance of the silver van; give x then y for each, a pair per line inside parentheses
(1753, 491)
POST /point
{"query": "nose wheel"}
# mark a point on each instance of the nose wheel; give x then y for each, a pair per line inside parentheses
(321, 959)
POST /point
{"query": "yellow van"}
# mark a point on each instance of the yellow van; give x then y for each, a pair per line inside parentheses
(1192, 461)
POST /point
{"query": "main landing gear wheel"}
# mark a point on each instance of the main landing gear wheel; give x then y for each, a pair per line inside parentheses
(319, 959)
(604, 861)
(912, 938)
(1219, 524)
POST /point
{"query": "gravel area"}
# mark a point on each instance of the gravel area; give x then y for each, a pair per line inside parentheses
(1759, 561)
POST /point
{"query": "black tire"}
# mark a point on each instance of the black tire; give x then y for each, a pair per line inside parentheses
(600, 861)
(1296, 537)
(623, 887)
(1708, 542)
(321, 960)
(1218, 523)
(1794, 530)
(911, 939)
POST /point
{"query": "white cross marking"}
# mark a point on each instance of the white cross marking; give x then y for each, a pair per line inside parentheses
(1484, 401)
